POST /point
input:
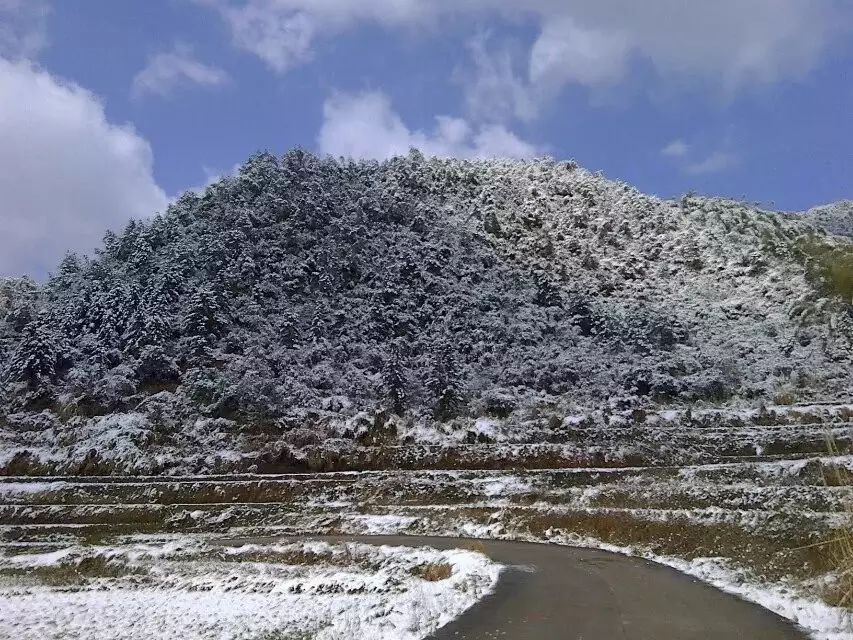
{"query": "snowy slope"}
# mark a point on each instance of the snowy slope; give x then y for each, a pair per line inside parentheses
(372, 303)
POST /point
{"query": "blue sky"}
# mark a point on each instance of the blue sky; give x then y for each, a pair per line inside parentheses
(108, 109)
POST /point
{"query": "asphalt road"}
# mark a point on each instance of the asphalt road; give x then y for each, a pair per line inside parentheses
(551, 592)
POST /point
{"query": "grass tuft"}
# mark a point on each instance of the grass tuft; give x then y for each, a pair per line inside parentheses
(433, 571)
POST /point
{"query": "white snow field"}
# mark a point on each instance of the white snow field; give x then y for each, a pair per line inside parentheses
(184, 588)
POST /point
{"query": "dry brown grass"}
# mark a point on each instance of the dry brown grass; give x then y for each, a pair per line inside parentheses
(286, 635)
(840, 548)
(433, 571)
(74, 573)
(335, 557)
(476, 546)
(829, 266)
(835, 475)
(770, 556)
(785, 397)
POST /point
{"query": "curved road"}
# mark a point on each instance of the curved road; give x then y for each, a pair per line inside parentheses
(551, 592)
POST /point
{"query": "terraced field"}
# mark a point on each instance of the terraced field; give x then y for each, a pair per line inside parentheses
(746, 506)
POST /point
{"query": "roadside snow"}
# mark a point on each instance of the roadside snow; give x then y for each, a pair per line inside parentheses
(188, 589)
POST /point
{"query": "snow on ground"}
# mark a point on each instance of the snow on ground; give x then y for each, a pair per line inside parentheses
(186, 588)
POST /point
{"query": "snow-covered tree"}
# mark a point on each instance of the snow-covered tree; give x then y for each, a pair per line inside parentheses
(203, 323)
(444, 381)
(41, 354)
(394, 379)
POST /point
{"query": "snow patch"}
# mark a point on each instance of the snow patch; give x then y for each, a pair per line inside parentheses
(190, 591)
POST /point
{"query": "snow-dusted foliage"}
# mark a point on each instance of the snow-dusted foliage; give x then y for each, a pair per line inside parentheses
(835, 218)
(431, 287)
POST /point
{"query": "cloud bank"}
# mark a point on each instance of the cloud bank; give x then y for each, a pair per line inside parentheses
(725, 45)
(66, 173)
(364, 125)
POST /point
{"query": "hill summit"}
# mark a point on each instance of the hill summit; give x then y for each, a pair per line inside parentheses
(291, 300)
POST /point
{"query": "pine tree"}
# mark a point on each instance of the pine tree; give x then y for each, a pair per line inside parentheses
(203, 323)
(444, 381)
(69, 270)
(288, 329)
(491, 224)
(204, 315)
(139, 251)
(394, 380)
(157, 326)
(547, 293)
(114, 311)
(169, 286)
(40, 355)
(149, 324)
(317, 328)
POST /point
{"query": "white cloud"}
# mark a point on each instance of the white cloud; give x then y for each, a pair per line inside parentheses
(494, 90)
(676, 149)
(684, 155)
(715, 162)
(169, 70)
(23, 28)
(211, 176)
(727, 43)
(566, 53)
(281, 38)
(66, 173)
(496, 141)
(282, 33)
(724, 45)
(366, 126)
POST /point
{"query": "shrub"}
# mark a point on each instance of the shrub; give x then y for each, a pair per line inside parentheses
(829, 266)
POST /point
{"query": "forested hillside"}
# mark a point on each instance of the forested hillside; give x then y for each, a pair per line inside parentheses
(303, 294)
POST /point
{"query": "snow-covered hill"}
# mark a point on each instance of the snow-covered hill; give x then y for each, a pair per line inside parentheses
(309, 298)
